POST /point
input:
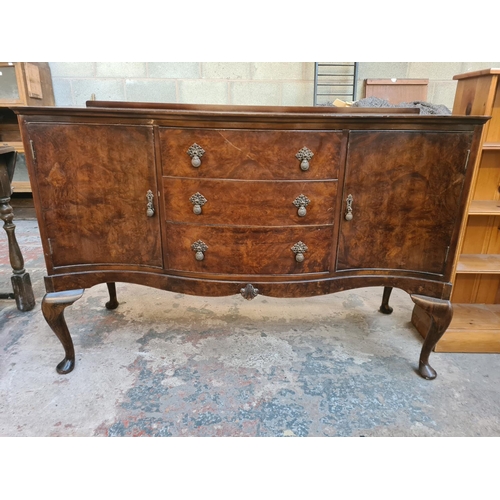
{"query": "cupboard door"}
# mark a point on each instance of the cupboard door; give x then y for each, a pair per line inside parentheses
(406, 189)
(92, 182)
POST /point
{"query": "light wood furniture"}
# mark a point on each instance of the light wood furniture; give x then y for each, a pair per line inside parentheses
(221, 200)
(476, 293)
(397, 90)
(21, 84)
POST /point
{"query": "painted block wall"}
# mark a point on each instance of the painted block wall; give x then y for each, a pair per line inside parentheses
(264, 83)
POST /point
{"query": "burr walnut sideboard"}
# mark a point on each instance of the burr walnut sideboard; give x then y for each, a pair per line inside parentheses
(221, 200)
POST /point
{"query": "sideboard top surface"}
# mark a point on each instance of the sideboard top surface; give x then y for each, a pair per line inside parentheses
(254, 116)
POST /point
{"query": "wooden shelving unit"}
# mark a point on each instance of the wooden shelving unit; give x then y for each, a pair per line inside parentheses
(476, 291)
(21, 84)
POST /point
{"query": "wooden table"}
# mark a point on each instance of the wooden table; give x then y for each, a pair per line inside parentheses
(21, 283)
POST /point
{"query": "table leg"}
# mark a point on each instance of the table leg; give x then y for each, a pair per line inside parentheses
(385, 308)
(441, 312)
(113, 301)
(21, 283)
(53, 305)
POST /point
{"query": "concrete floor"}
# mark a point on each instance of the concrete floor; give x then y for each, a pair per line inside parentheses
(166, 364)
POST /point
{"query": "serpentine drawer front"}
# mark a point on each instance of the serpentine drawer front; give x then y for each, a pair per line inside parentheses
(221, 200)
(257, 203)
(249, 250)
(250, 154)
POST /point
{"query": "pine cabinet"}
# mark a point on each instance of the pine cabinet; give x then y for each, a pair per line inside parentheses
(476, 293)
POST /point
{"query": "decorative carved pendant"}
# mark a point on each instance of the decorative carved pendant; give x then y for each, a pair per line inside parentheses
(249, 292)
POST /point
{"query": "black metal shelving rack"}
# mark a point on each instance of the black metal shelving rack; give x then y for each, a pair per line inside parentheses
(338, 77)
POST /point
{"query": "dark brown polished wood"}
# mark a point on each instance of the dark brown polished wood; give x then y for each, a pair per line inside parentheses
(440, 313)
(385, 308)
(53, 305)
(21, 282)
(113, 301)
(220, 200)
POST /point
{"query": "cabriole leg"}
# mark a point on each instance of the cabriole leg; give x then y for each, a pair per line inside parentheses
(440, 312)
(53, 305)
(385, 308)
(113, 302)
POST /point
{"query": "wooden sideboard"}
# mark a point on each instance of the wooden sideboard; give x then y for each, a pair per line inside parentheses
(221, 200)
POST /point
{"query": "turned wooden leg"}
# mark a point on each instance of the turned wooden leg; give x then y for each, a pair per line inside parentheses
(385, 308)
(21, 283)
(53, 305)
(440, 313)
(113, 302)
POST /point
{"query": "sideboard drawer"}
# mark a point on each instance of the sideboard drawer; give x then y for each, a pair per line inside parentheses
(248, 250)
(250, 154)
(263, 203)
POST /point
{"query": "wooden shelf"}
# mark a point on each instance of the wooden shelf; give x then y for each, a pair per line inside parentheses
(491, 146)
(484, 207)
(21, 187)
(479, 264)
(474, 328)
(17, 145)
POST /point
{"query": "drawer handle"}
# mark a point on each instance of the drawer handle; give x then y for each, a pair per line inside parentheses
(150, 210)
(301, 203)
(198, 200)
(195, 152)
(348, 213)
(304, 155)
(299, 249)
(199, 247)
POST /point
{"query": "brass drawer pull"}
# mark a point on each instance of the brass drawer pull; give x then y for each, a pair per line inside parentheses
(195, 152)
(198, 200)
(301, 203)
(299, 249)
(348, 214)
(150, 209)
(199, 247)
(304, 155)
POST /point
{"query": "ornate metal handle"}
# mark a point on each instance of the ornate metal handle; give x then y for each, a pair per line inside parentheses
(195, 152)
(304, 155)
(198, 200)
(199, 247)
(301, 203)
(299, 249)
(150, 210)
(348, 213)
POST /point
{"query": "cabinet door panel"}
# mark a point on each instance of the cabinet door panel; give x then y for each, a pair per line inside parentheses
(92, 182)
(406, 189)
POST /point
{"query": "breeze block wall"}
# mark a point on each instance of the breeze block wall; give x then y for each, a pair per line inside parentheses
(261, 83)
